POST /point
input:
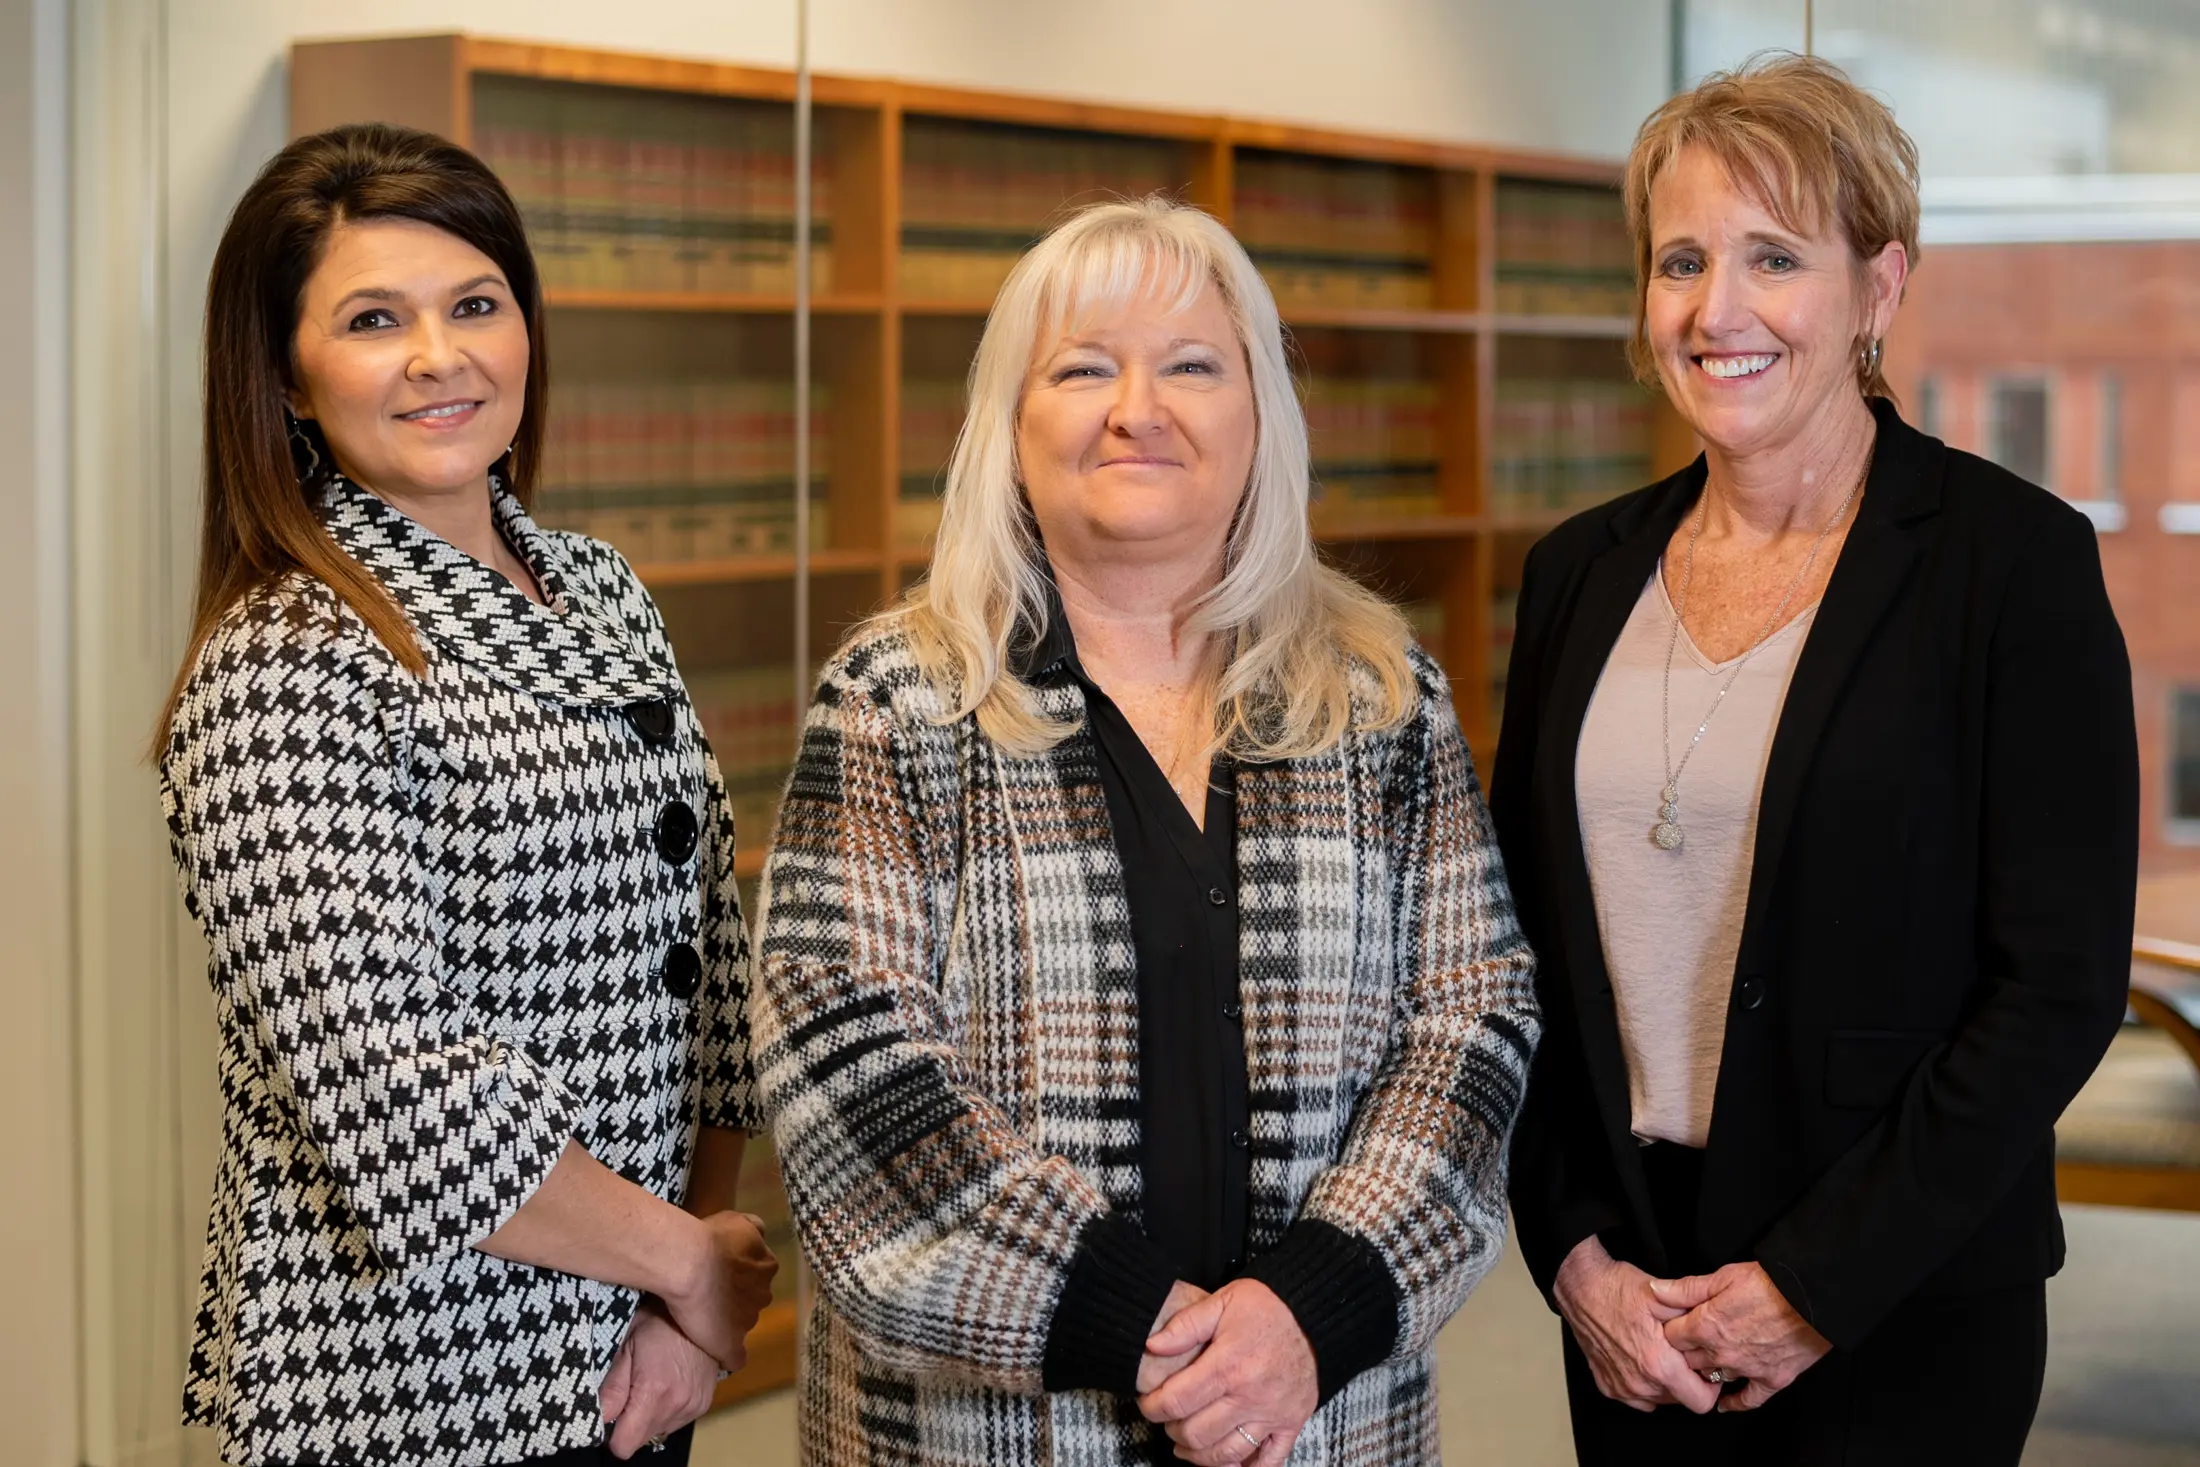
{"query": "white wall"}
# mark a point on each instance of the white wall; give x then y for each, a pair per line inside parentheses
(146, 1106)
(1570, 75)
(180, 101)
(38, 1357)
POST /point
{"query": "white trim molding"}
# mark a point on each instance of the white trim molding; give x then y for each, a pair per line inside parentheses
(2180, 518)
(147, 1100)
(41, 1377)
(2061, 209)
(2108, 515)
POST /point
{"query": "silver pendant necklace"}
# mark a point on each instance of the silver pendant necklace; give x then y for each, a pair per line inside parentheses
(1666, 835)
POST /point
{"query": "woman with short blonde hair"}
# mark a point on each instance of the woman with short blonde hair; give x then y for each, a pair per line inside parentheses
(1828, 948)
(1141, 1013)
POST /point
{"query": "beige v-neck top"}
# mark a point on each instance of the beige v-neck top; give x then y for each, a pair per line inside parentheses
(1671, 921)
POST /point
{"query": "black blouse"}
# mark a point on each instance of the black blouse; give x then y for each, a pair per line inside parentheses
(1180, 882)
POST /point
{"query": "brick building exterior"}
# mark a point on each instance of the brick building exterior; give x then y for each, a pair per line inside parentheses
(2078, 364)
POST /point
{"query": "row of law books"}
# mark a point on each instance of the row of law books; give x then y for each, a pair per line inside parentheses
(1375, 446)
(653, 191)
(1336, 233)
(931, 417)
(684, 469)
(1562, 444)
(750, 715)
(1563, 250)
(976, 195)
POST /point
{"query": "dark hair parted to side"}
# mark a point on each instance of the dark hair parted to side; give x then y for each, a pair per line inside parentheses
(257, 521)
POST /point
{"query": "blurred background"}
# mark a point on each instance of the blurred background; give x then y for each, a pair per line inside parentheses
(1430, 186)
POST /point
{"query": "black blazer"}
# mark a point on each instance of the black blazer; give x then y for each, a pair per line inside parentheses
(1937, 941)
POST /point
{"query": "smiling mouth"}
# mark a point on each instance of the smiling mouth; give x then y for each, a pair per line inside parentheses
(1139, 462)
(439, 413)
(1727, 369)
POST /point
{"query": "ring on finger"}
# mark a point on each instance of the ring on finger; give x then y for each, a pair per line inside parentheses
(1249, 1437)
(1719, 1375)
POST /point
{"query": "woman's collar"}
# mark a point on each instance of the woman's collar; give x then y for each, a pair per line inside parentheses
(570, 651)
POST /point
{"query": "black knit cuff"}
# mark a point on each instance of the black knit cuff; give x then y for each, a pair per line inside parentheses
(1342, 1295)
(1117, 1284)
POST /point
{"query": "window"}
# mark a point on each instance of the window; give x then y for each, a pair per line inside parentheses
(2017, 427)
(2102, 487)
(2184, 766)
(2112, 438)
(1928, 407)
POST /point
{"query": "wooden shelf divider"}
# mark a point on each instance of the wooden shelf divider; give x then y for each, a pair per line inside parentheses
(1376, 530)
(1348, 318)
(708, 303)
(1603, 328)
(753, 568)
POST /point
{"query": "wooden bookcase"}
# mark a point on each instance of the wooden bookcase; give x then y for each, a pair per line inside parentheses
(1459, 312)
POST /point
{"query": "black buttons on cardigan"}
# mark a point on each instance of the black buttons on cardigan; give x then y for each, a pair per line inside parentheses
(1751, 993)
(1217, 897)
(652, 719)
(682, 973)
(1240, 1140)
(677, 833)
(1233, 1010)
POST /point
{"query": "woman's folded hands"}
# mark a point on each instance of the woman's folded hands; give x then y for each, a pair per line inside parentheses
(666, 1370)
(658, 1382)
(1653, 1342)
(1234, 1378)
(1739, 1323)
(1619, 1322)
(1155, 1370)
(725, 1285)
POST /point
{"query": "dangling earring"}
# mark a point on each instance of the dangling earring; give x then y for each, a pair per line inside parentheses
(1867, 360)
(302, 445)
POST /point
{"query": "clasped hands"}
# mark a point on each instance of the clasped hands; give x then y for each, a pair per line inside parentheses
(1651, 1342)
(667, 1368)
(1230, 1375)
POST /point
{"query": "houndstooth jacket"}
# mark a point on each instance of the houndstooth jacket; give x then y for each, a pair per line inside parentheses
(454, 920)
(947, 1044)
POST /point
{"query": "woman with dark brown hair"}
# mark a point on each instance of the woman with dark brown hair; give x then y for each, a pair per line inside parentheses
(464, 865)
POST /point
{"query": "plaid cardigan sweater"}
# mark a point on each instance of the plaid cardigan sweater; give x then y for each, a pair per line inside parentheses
(946, 1036)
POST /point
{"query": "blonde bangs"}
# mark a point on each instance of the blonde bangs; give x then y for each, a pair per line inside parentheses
(1290, 636)
(1804, 143)
(1103, 269)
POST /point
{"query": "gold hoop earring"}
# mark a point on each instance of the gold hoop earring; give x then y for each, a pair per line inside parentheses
(1868, 358)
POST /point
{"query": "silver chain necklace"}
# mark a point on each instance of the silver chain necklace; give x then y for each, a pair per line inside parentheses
(1666, 834)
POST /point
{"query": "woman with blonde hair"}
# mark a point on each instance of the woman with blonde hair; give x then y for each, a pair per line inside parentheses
(1827, 951)
(1140, 1009)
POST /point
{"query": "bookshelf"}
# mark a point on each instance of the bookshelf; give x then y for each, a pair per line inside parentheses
(1459, 314)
